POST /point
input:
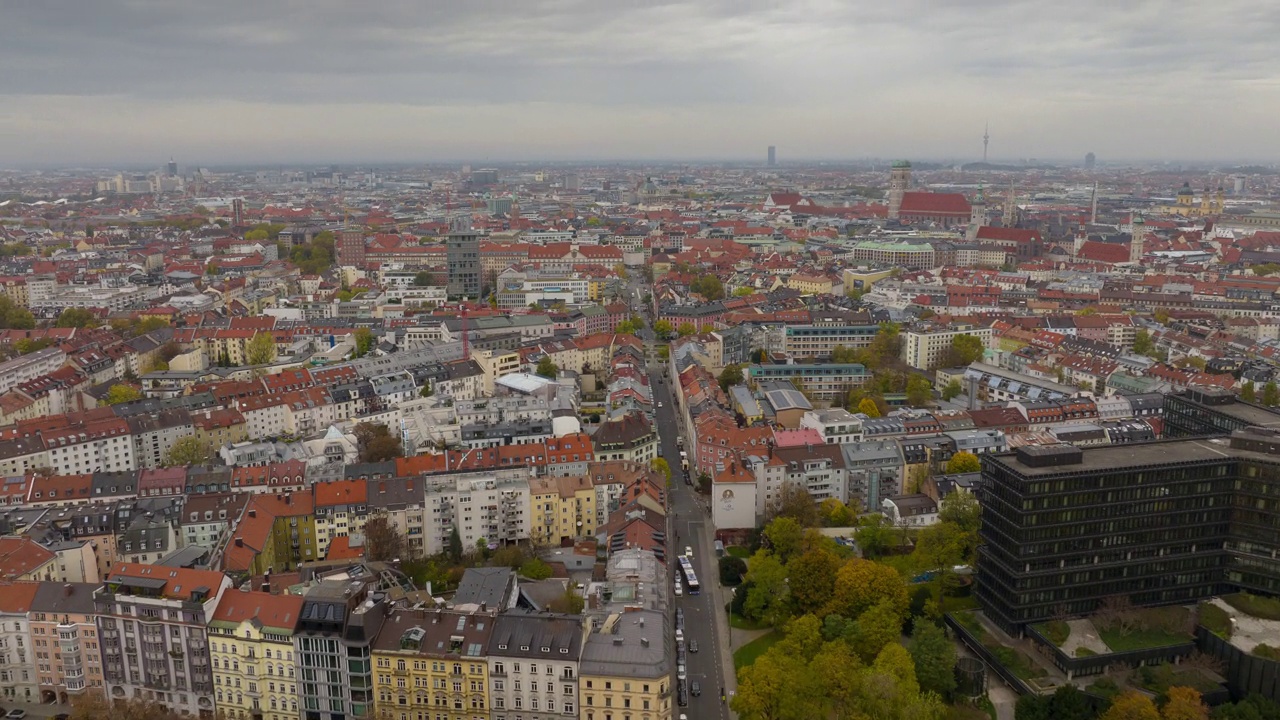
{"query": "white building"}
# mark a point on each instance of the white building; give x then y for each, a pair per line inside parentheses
(924, 349)
(479, 505)
(29, 367)
(18, 679)
(837, 426)
(533, 666)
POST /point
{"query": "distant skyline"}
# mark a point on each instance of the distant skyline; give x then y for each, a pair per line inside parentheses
(113, 82)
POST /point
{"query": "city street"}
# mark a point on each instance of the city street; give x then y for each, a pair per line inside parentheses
(705, 620)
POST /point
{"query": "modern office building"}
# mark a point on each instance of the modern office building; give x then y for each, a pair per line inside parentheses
(462, 255)
(825, 381)
(818, 341)
(1064, 528)
(1213, 411)
(773, 156)
(351, 248)
(340, 619)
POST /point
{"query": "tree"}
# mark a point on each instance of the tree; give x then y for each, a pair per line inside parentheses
(934, 656)
(960, 507)
(255, 235)
(376, 443)
(1032, 707)
(919, 391)
(455, 545)
(874, 536)
(843, 355)
(261, 349)
(867, 407)
(886, 346)
(382, 542)
(14, 317)
(731, 570)
(835, 513)
(427, 390)
(570, 603)
(364, 342)
(187, 451)
(663, 329)
(547, 368)
(1132, 705)
(768, 599)
(795, 502)
(686, 328)
(963, 462)
(1248, 392)
(730, 376)
(662, 467)
(966, 349)
(878, 627)
(784, 536)
(95, 706)
(862, 584)
(708, 286)
(76, 318)
(1184, 703)
(810, 577)
(117, 394)
(743, 291)
(704, 483)
(422, 279)
(952, 389)
(1270, 394)
(1142, 343)
(535, 569)
(772, 688)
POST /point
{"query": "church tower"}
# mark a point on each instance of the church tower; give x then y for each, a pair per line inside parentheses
(977, 214)
(1137, 238)
(1010, 208)
(899, 181)
(1206, 201)
(1219, 201)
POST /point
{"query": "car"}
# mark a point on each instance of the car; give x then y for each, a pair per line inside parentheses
(688, 551)
(695, 689)
(693, 645)
(15, 714)
(659, 403)
(679, 588)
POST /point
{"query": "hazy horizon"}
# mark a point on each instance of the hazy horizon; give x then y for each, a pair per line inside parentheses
(115, 82)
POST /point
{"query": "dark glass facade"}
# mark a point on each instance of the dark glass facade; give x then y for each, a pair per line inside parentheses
(1160, 523)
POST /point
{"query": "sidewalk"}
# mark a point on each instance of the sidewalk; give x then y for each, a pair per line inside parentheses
(729, 678)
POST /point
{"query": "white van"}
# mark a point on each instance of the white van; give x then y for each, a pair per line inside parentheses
(679, 588)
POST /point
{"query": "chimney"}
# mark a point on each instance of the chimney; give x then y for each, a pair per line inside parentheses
(67, 590)
(644, 642)
(253, 513)
(239, 542)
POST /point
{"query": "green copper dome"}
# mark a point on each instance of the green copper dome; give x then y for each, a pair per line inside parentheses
(901, 164)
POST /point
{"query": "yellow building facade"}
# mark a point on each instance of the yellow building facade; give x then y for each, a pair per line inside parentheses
(251, 648)
(562, 508)
(431, 665)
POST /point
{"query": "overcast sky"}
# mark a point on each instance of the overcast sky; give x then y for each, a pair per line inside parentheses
(112, 81)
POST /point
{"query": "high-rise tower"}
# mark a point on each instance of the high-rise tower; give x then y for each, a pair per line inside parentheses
(172, 168)
(986, 138)
(462, 253)
(899, 181)
(773, 156)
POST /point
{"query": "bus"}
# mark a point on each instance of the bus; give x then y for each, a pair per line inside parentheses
(690, 579)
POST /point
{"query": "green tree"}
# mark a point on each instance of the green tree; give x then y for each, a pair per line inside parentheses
(256, 235)
(842, 355)
(77, 318)
(952, 389)
(868, 407)
(835, 513)
(731, 570)
(886, 346)
(708, 286)
(26, 346)
(966, 349)
(13, 317)
(686, 328)
(261, 349)
(874, 536)
(961, 508)
(768, 599)
(934, 656)
(919, 391)
(862, 584)
(775, 687)
(377, 443)
(1248, 392)
(422, 279)
(963, 462)
(1270, 394)
(743, 291)
(364, 342)
(785, 536)
(535, 569)
(547, 368)
(875, 629)
(663, 329)
(186, 451)
(117, 394)
(455, 545)
(1032, 707)
(1142, 343)
(1068, 703)
(730, 376)
(1184, 703)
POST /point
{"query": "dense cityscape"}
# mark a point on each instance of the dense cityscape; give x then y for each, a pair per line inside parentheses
(640, 442)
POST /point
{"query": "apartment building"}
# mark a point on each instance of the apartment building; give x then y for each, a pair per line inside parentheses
(493, 507)
(340, 619)
(925, 348)
(630, 437)
(97, 446)
(341, 508)
(819, 340)
(152, 624)
(29, 367)
(825, 381)
(534, 666)
(431, 663)
(626, 668)
(18, 677)
(251, 643)
(837, 426)
(64, 640)
(562, 508)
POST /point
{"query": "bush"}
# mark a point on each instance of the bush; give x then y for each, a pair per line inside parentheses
(1055, 631)
(731, 570)
(1104, 687)
(1267, 651)
(1217, 620)
(1259, 607)
(1084, 652)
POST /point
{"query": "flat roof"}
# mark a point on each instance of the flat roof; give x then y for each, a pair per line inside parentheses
(1106, 458)
(1250, 414)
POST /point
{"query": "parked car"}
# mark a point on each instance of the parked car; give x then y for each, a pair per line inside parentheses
(693, 645)
(695, 689)
(15, 714)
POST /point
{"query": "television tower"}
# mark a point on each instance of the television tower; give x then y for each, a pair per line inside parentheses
(986, 138)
